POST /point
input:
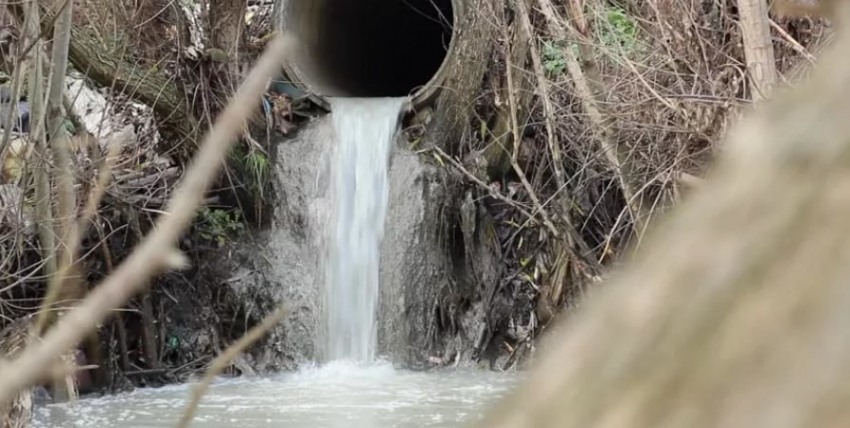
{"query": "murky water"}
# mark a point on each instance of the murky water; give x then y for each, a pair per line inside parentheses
(365, 128)
(342, 393)
(339, 394)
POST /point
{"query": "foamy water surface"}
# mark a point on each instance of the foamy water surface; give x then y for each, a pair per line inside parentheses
(339, 394)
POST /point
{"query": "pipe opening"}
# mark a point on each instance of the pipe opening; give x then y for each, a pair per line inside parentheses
(369, 48)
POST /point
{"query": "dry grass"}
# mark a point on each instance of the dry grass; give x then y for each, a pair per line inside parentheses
(144, 175)
(710, 279)
(666, 78)
(630, 102)
(158, 252)
(733, 311)
(670, 96)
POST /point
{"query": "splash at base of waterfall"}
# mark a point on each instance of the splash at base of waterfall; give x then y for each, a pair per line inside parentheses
(365, 128)
(337, 394)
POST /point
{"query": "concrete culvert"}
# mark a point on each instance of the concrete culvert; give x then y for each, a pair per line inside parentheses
(369, 48)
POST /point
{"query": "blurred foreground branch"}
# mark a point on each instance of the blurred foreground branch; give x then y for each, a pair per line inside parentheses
(735, 310)
(158, 251)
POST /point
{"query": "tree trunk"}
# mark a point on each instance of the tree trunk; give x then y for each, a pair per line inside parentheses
(227, 25)
(60, 285)
(151, 87)
(758, 47)
(454, 106)
(149, 331)
(35, 93)
(63, 389)
(56, 135)
(498, 153)
(148, 86)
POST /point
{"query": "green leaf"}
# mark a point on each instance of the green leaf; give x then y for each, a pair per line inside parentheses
(69, 127)
(553, 58)
(173, 342)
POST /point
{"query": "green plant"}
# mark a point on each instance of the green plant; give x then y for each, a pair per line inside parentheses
(216, 224)
(619, 30)
(553, 58)
(257, 166)
(254, 165)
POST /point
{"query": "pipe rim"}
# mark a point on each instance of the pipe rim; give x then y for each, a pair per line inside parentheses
(425, 93)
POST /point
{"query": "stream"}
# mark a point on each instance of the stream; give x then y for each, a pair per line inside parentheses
(353, 389)
(338, 394)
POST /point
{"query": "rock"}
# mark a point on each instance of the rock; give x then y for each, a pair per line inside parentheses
(282, 265)
(414, 263)
(41, 397)
(243, 364)
(420, 313)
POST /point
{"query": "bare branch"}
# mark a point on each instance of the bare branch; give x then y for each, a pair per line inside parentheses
(224, 359)
(58, 139)
(736, 306)
(758, 47)
(589, 88)
(157, 252)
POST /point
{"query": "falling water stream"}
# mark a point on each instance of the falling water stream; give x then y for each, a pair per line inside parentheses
(365, 128)
(354, 388)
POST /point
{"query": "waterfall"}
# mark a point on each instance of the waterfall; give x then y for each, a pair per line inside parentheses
(365, 129)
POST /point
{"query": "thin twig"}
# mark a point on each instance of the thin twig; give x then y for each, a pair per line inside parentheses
(517, 137)
(43, 212)
(67, 269)
(589, 91)
(492, 191)
(573, 235)
(63, 175)
(221, 362)
(792, 41)
(158, 251)
(48, 25)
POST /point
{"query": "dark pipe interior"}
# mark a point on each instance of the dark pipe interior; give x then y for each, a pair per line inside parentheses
(373, 48)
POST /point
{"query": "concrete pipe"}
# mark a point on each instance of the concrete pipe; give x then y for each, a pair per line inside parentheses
(370, 48)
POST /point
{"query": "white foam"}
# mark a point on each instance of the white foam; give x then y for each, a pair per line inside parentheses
(365, 128)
